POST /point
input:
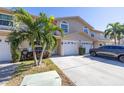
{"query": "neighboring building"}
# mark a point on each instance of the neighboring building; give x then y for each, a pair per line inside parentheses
(122, 41)
(77, 32)
(5, 26)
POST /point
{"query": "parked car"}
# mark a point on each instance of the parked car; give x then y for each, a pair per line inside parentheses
(28, 55)
(109, 51)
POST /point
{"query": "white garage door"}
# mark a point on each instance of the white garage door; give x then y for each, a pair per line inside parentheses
(5, 54)
(87, 45)
(70, 47)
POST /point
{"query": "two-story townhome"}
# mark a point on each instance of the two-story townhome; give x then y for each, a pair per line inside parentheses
(77, 32)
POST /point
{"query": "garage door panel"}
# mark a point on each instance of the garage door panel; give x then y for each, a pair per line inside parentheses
(5, 53)
(87, 45)
(70, 47)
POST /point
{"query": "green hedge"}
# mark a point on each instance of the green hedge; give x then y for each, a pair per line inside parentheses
(16, 54)
(82, 51)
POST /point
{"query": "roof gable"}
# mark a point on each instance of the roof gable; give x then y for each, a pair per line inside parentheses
(5, 10)
(78, 18)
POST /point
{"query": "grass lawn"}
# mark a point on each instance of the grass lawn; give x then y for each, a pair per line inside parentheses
(27, 67)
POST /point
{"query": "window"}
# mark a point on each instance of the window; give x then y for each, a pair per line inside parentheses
(65, 26)
(5, 17)
(109, 47)
(121, 47)
(6, 20)
(117, 47)
(92, 35)
(86, 30)
(104, 47)
(6, 23)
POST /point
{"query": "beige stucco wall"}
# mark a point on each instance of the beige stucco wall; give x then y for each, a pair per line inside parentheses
(75, 25)
(4, 32)
(76, 36)
(5, 11)
(97, 44)
(24, 44)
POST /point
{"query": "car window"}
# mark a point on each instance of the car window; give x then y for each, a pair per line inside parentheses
(104, 47)
(120, 47)
(108, 47)
(101, 47)
(114, 47)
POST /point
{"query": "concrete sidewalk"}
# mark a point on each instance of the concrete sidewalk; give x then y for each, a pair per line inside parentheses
(91, 71)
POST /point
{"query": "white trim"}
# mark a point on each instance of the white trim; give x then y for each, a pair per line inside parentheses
(65, 24)
(5, 28)
(6, 14)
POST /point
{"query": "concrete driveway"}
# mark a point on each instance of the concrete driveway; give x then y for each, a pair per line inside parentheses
(91, 71)
(6, 70)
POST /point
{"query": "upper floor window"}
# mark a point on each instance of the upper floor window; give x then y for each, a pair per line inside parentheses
(6, 23)
(92, 34)
(86, 30)
(6, 20)
(65, 26)
(5, 17)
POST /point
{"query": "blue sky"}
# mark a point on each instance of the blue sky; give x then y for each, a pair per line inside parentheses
(97, 17)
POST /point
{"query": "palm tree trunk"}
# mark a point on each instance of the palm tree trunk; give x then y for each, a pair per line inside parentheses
(41, 56)
(119, 41)
(34, 53)
(115, 41)
(35, 57)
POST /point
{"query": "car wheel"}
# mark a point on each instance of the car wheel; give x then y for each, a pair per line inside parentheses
(121, 58)
(93, 53)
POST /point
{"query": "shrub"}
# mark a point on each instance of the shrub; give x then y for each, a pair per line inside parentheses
(81, 50)
(16, 54)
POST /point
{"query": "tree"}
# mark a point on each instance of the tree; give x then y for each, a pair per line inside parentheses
(112, 31)
(39, 29)
(25, 26)
(47, 29)
(120, 33)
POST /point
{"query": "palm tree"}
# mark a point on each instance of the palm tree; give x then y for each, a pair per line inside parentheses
(112, 31)
(26, 28)
(47, 29)
(120, 33)
(40, 29)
